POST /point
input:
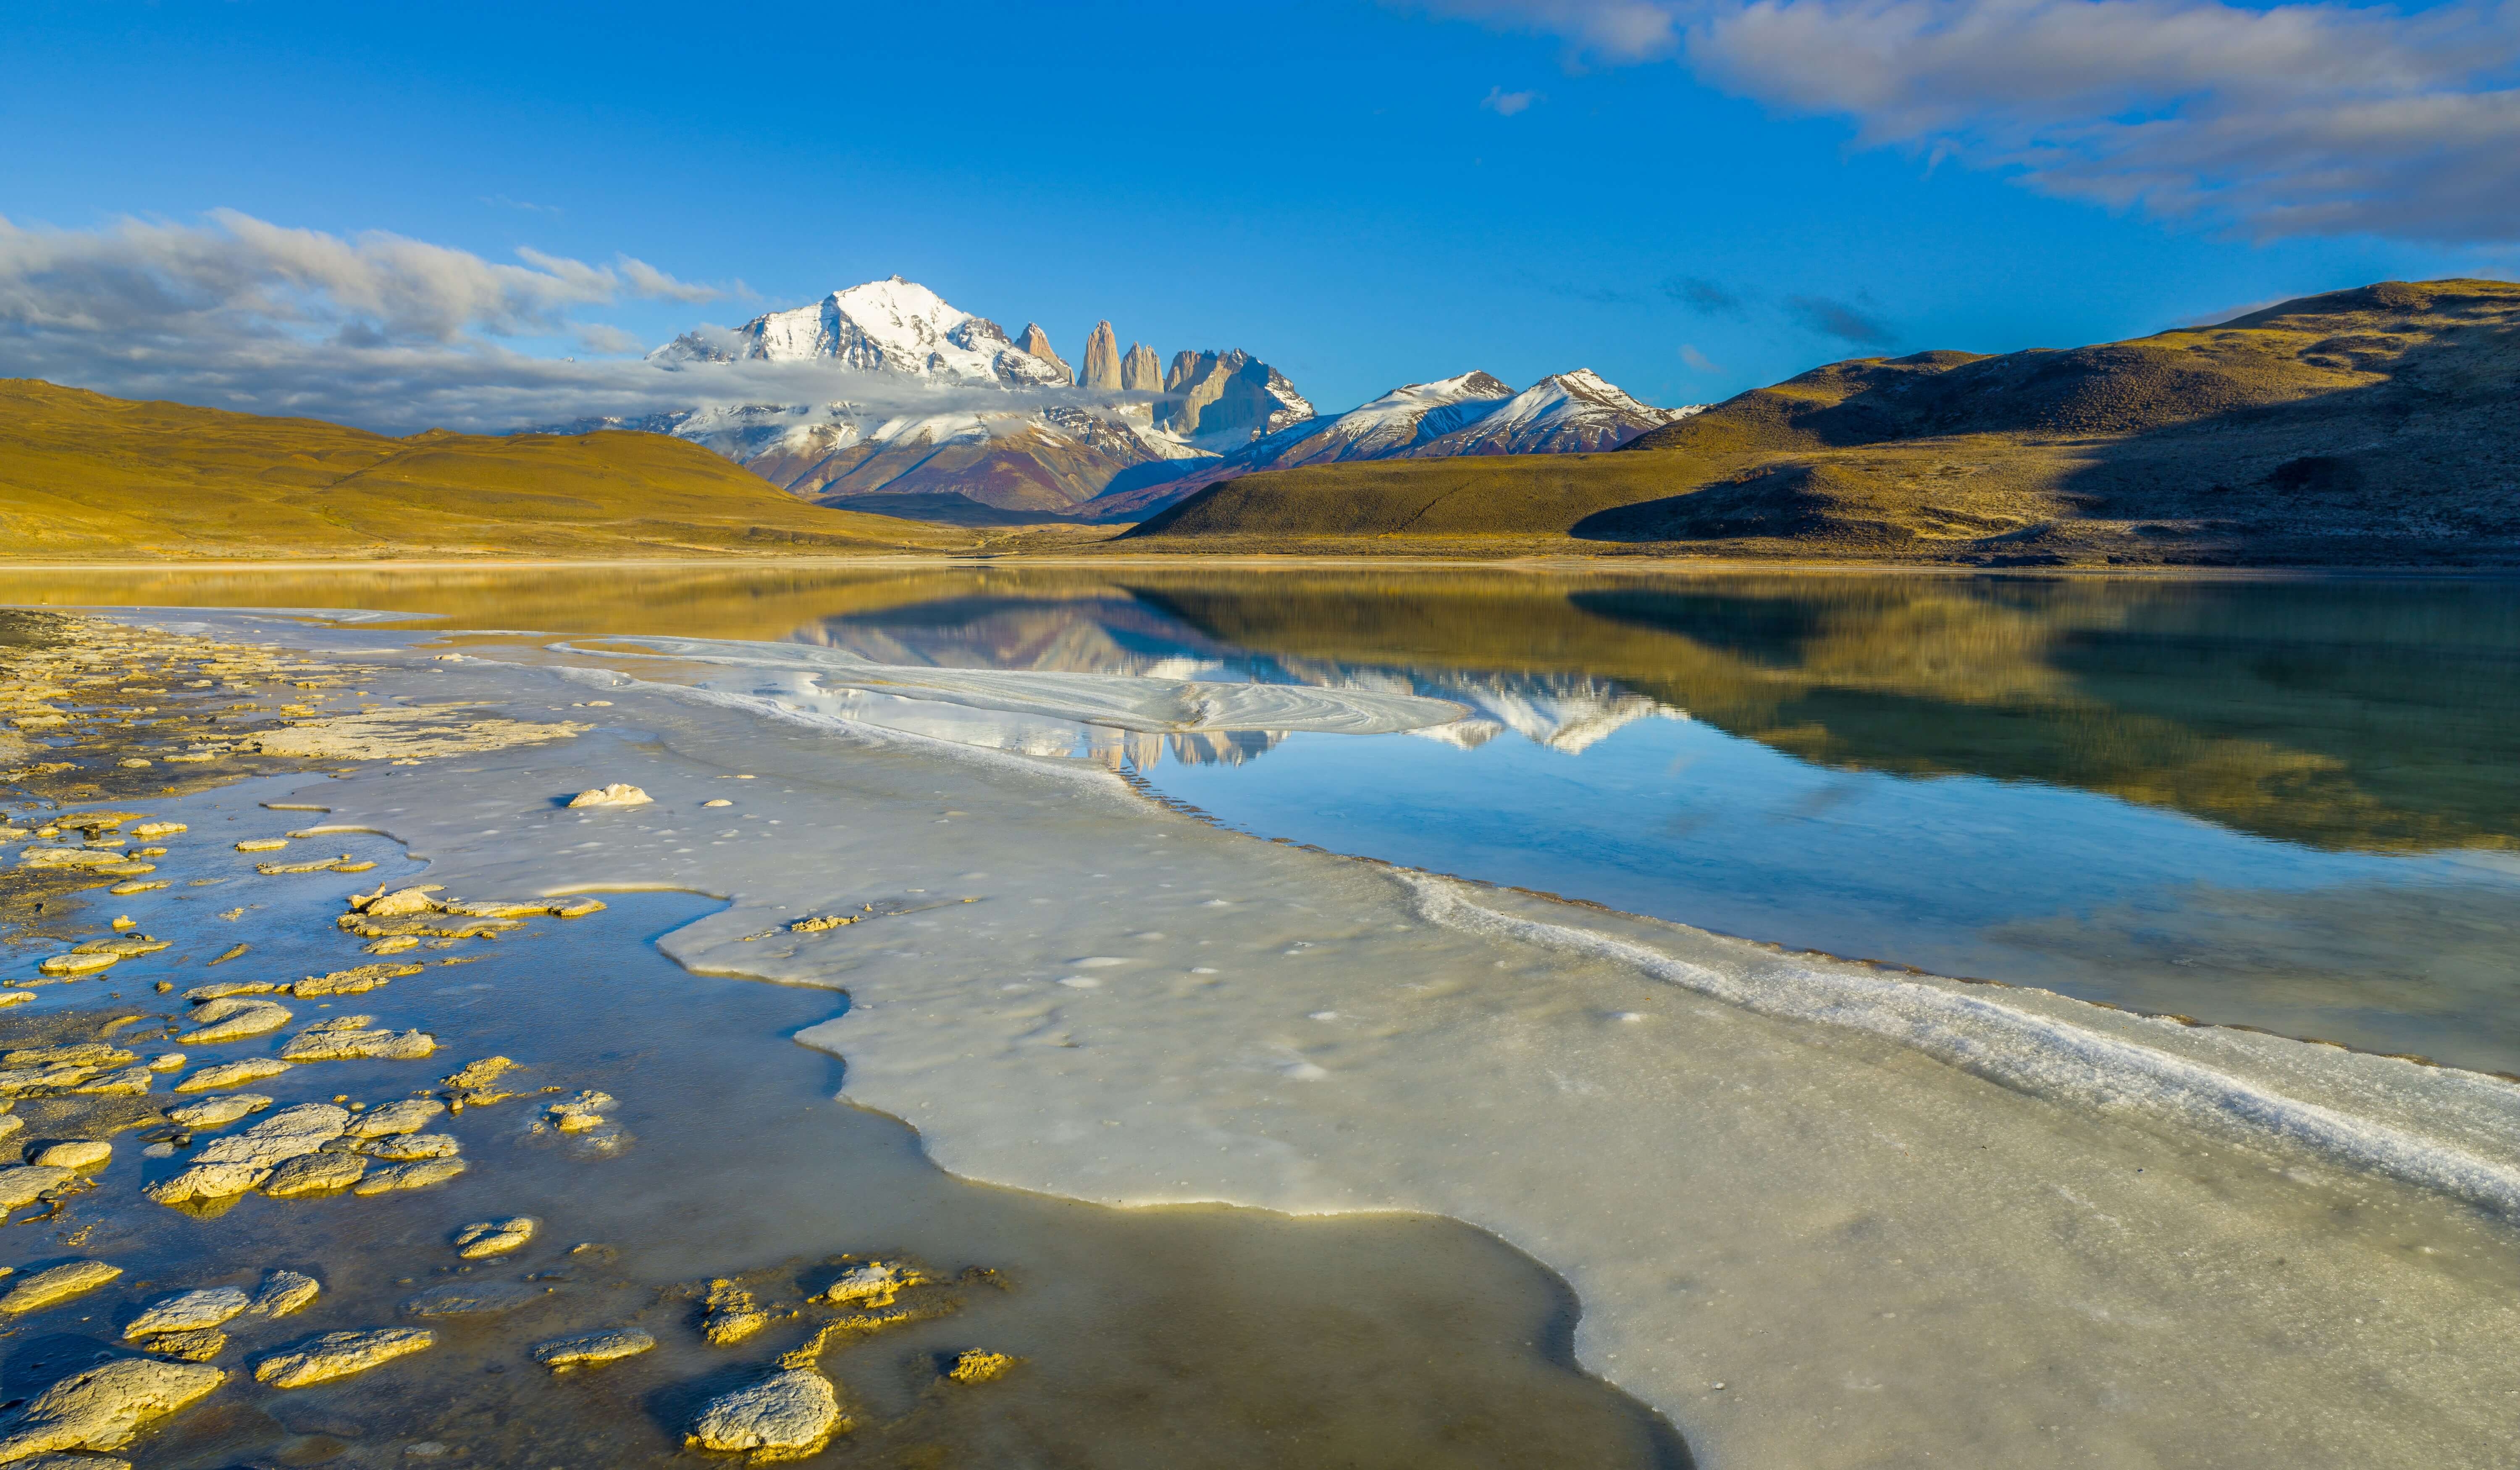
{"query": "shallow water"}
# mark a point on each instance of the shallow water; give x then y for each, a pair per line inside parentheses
(1391, 1340)
(2291, 805)
(1816, 1214)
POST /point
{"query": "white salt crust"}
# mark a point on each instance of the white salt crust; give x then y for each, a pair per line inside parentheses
(1901, 1219)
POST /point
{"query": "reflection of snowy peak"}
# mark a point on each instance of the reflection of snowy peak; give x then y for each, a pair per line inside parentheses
(1569, 714)
(1108, 634)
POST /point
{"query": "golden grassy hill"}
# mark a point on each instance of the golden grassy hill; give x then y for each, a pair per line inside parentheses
(2374, 426)
(85, 475)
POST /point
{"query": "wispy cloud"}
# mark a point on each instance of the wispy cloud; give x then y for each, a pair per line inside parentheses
(1702, 296)
(1697, 360)
(1506, 104)
(1831, 317)
(502, 202)
(381, 331)
(2293, 119)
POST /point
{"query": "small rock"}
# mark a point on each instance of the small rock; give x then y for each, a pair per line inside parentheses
(349, 1039)
(416, 1175)
(617, 793)
(262, 844)
(75, 964)
(207, 1181)
(459, 1299)
(732, 1316)
(717, 802)
(217, 1112)
(57, 1284)
(578, 1114)
(404, 1147)
(102, 1407)
(280, 1293)
(233, 1019)
(408, 901)
(494, 1237)
(198, 1346)
(218, 990)
(232, 1073)
(285, 1134)
(788, 1415)
(130, 1081)
(25, 1183)
(408, 1116)
(977, 1366)
(76, 1054)
(563, 1354)
(185, 1312)
(352, 982)
(167, 1061)
(315, 1173)
(339, 1354)
(73, 1153)
(873, 1285)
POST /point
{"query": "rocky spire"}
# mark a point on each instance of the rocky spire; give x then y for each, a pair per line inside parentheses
(1036, 341)
(1140, 371)
(1101, 357)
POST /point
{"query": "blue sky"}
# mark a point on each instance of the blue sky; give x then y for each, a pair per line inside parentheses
(1348, 190)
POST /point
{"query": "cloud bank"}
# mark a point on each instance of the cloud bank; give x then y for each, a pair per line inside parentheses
(380, 331)
(2297, 119)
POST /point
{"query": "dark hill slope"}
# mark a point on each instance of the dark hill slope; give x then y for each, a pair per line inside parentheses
(2380, 425)
(85, 475)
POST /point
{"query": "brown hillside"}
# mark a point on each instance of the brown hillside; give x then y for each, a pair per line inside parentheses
(2380, 425)
(82, 475)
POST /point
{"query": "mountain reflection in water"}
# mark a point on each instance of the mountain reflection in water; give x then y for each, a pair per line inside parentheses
(2289, 803)
(2378, 716)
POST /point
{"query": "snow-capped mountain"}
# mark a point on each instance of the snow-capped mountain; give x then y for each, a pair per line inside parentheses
(892, 326)
(1475, 413)
(943, 405)
(1564, 413)
(1055, 445)
(1223, 401)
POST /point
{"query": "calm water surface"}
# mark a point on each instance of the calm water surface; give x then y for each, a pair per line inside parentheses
(2293, 805)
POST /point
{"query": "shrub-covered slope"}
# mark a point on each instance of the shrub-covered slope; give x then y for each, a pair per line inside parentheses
(85, 475)
(2380, 425)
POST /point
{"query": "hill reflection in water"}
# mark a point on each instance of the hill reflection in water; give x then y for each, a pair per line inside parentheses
(2285, 802)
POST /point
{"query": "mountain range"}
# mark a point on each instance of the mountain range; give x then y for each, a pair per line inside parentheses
(963, 422)
(2373, 426)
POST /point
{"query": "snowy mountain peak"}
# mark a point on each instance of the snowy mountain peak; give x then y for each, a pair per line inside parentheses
(895, 327)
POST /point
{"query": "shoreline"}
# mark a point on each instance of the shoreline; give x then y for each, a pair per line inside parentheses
(1527, 563)
(1875, 1251)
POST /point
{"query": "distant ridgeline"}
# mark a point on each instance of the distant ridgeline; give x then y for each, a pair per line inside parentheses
(991, 429)
(85, 475)
(2379, 426)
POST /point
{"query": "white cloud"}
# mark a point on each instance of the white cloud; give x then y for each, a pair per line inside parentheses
(1506, 104)
(380, 331)
(2299, 119)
